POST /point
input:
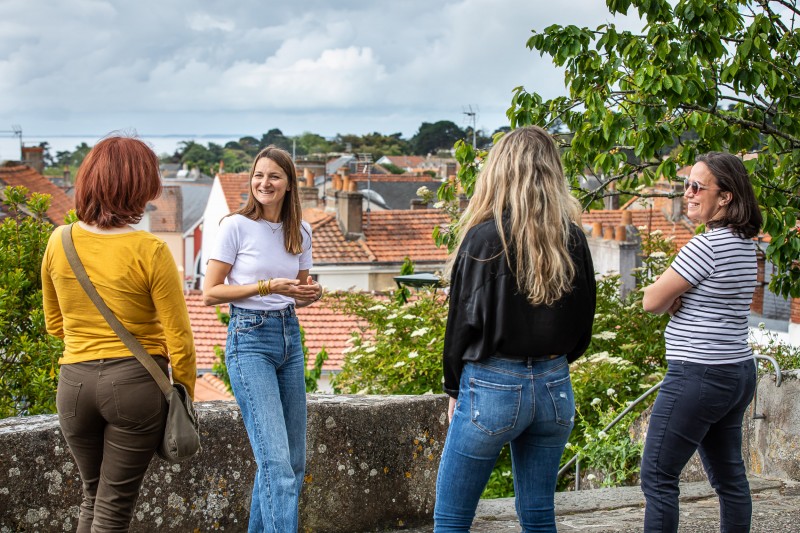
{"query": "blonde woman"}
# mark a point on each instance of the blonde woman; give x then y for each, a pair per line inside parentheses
(522, 302)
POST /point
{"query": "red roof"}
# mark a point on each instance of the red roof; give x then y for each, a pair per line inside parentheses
(392, 235)
(323, 326)
(406, 161)
(652, 219)
(167, 216)
(209, 387)
(14, 175)
(236, 187)
(389, 236)
(395, 178)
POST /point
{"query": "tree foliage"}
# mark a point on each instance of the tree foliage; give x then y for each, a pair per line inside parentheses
(431, 138)
(28, 355)
(700, 76)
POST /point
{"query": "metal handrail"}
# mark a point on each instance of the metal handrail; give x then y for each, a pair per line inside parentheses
(610, 425)
(575, 458)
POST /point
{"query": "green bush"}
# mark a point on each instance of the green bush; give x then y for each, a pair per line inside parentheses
(399, 351)
(28, 355)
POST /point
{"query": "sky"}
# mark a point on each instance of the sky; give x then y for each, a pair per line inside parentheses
(210, 67)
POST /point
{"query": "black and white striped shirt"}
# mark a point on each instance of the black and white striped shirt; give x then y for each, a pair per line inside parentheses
(711, 325)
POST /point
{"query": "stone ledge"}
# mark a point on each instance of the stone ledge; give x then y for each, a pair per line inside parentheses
(371, 464)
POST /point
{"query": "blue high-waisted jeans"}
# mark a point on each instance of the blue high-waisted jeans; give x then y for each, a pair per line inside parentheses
(265, 364)
(699, 407)
(527, 403)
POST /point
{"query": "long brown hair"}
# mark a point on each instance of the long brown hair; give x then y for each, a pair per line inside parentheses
(115, 181)
(523, 180)
(291, 210)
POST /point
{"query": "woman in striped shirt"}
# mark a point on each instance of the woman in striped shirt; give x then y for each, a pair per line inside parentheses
(711, 374)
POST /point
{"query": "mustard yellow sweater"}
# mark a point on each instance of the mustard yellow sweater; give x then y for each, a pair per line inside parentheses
(136, 276)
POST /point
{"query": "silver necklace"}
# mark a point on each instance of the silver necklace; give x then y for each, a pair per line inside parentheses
(276, 228)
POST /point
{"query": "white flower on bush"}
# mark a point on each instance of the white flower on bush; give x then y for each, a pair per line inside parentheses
(422, 191)
(605, 335)
(379, 307)
(602, 435)
(409, 317)
(392, 316)
(390, 331)
(656, 233)
(438, 205)
(413, 354)
(658, 255)
(611, 392)
(399, 364)
(762, 326)
(371, 349)
(596, 401)
(419, 332)
(591, 477)
(431, 341)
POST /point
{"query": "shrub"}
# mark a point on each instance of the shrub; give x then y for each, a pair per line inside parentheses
(28, 355)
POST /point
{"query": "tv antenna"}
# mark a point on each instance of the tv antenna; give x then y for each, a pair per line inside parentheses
(365, 160)
(15, 131)
(472, 116)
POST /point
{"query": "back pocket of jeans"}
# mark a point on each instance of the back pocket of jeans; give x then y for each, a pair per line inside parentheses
(67, 397)
(137, 399)
(563, 400)
(495, 407)
(719, 387)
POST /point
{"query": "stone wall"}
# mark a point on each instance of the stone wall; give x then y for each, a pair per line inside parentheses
(371, 465)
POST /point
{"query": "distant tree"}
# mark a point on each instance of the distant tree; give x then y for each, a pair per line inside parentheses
(78, 155)
(249, 145)
(431, 138)
(700, 76)
(312, 143)
(277, 138)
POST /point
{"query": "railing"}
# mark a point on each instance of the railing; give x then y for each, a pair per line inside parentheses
(576, 458)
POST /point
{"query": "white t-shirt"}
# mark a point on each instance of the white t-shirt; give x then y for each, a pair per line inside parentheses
(256, 252)
(711, 325)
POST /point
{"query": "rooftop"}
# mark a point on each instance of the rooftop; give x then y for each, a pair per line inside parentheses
(14, 174)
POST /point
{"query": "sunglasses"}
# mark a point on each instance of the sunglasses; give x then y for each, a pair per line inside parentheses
(696, 187)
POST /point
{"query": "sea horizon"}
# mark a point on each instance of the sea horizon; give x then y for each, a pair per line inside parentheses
(161, 143)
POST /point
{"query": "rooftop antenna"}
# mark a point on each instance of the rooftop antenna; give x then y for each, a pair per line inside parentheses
(15, 131)
(366, 160)
(473, 117)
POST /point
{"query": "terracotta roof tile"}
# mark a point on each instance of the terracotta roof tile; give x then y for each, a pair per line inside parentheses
(209, 387)
(323, 327)
(395, 178)
(167, 215)
(236, 189)
(331, 247)
(680, 231)
(406, 161)
(60, 203)
(393, 235)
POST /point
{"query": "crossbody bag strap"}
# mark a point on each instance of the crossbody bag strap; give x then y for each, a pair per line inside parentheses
(126, 336)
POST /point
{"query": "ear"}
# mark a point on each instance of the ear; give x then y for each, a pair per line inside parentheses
(725, 198)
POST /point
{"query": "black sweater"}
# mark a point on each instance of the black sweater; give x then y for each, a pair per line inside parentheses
(488, 315)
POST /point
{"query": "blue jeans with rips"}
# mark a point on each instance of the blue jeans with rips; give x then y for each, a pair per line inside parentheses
(264, 357)
(699, 407)
(527, 403)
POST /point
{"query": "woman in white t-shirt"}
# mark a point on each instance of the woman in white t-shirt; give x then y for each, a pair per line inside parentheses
(260, 265)
(711, 373)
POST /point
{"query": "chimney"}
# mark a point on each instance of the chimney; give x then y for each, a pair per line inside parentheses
(418, 203)
(221, 166)
(349, 211)
(611, 203)
(671, 207)
(67, 179)
(309, 195)
(34, 157)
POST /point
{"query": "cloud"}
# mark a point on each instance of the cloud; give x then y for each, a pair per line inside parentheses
(318, 66)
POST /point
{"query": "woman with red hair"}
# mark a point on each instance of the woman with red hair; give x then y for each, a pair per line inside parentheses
(112, 413)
